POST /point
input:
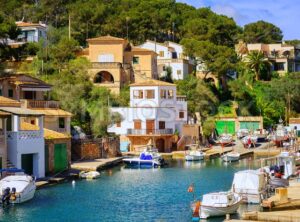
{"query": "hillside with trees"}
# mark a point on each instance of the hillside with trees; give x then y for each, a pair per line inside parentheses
(203, 33)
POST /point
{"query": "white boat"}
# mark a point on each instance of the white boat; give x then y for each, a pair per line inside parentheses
(249, 140)
(219, 204)
(242, 133)
(225, 139)
(148, 158)
(17, 188)
(89, 175)
(251, 185)
(231, 156)
(194, 154)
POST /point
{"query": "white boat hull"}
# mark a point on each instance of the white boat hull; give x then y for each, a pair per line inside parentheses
(23, 197)
(209, 211)
(194, 157)
(251, 198)
(230, 158)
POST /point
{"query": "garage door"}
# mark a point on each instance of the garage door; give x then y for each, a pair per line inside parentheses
(251, 126)
(225, 127)
(27, 163)
(60, 157)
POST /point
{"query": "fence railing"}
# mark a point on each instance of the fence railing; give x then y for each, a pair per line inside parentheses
(40, 103)
(149, 131)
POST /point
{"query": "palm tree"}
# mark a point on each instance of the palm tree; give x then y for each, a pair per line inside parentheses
(257, 62)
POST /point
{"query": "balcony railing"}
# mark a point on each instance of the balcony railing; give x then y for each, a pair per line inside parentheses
(23, 135)
(40, 104)
(106, 65)
(181, 98)
(149, 131)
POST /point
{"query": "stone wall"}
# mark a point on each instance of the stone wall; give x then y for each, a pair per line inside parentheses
(88, 149)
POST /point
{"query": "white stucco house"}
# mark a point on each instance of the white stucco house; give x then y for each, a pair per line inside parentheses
(23, 148)
(156, 114)
(170, 54)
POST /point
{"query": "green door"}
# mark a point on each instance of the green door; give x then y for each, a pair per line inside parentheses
(27, 163)
(46, 159)
(225, 127)
(60, 157)
(251, 126)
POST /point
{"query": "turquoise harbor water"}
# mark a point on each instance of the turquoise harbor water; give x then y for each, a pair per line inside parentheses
(128, 194)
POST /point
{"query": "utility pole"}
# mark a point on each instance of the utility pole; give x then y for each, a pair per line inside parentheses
(69, 26)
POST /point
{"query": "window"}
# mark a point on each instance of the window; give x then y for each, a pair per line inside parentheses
(135, 60)
(150, 94)
(170, 94)
(181, 114)
(162, 124)
(61, 122)
(163, 94)
(137, 124)
(29, 95)
(32, 122)
(0, 92)
(178, 72)
(106, 58)
(161, 53)
(138, 94)
(118, 124)
(279, 66)
(174, 55)
(10, 93)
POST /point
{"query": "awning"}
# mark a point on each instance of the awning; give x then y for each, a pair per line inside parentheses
(35, 89)
(20, 111)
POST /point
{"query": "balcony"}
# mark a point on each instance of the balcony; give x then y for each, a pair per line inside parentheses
(147, 132)
(40, 104)
(25, 135)
(106, 65)
(181, 98)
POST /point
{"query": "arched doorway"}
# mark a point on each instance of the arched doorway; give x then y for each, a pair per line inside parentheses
(160, 145)
(104, 77)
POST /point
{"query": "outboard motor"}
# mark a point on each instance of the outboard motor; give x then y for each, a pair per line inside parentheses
(6, 196)
(13, 196)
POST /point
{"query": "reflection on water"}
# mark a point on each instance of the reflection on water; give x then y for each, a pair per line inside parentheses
(124, 194)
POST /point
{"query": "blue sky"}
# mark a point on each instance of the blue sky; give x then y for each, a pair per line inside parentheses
(282, 13)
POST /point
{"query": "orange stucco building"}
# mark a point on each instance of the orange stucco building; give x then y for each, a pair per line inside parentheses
(115, 62)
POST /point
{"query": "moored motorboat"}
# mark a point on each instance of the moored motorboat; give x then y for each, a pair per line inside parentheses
(251, 185)
(231, 156)
(89, 175)
(242, 133)
(194, 154)
(218, 204)
(249, 141)
(148, 158)
(17, 188)
(225, 139)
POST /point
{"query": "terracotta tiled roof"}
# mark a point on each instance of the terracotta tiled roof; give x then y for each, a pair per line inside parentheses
(52, 112)
(24, 80)
(6, 102)
(106, 38)
(51, 134)
(29, 24)
(152, 82)
(136, 49)
(48, 134)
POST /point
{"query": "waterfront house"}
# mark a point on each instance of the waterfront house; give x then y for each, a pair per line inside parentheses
(155, 116)
(30, 32)
(115, 62)
(25, 148)
(283, 57)
(33, 94)
(170, 54)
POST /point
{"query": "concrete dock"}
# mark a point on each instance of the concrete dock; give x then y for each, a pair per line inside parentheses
(97, 164)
